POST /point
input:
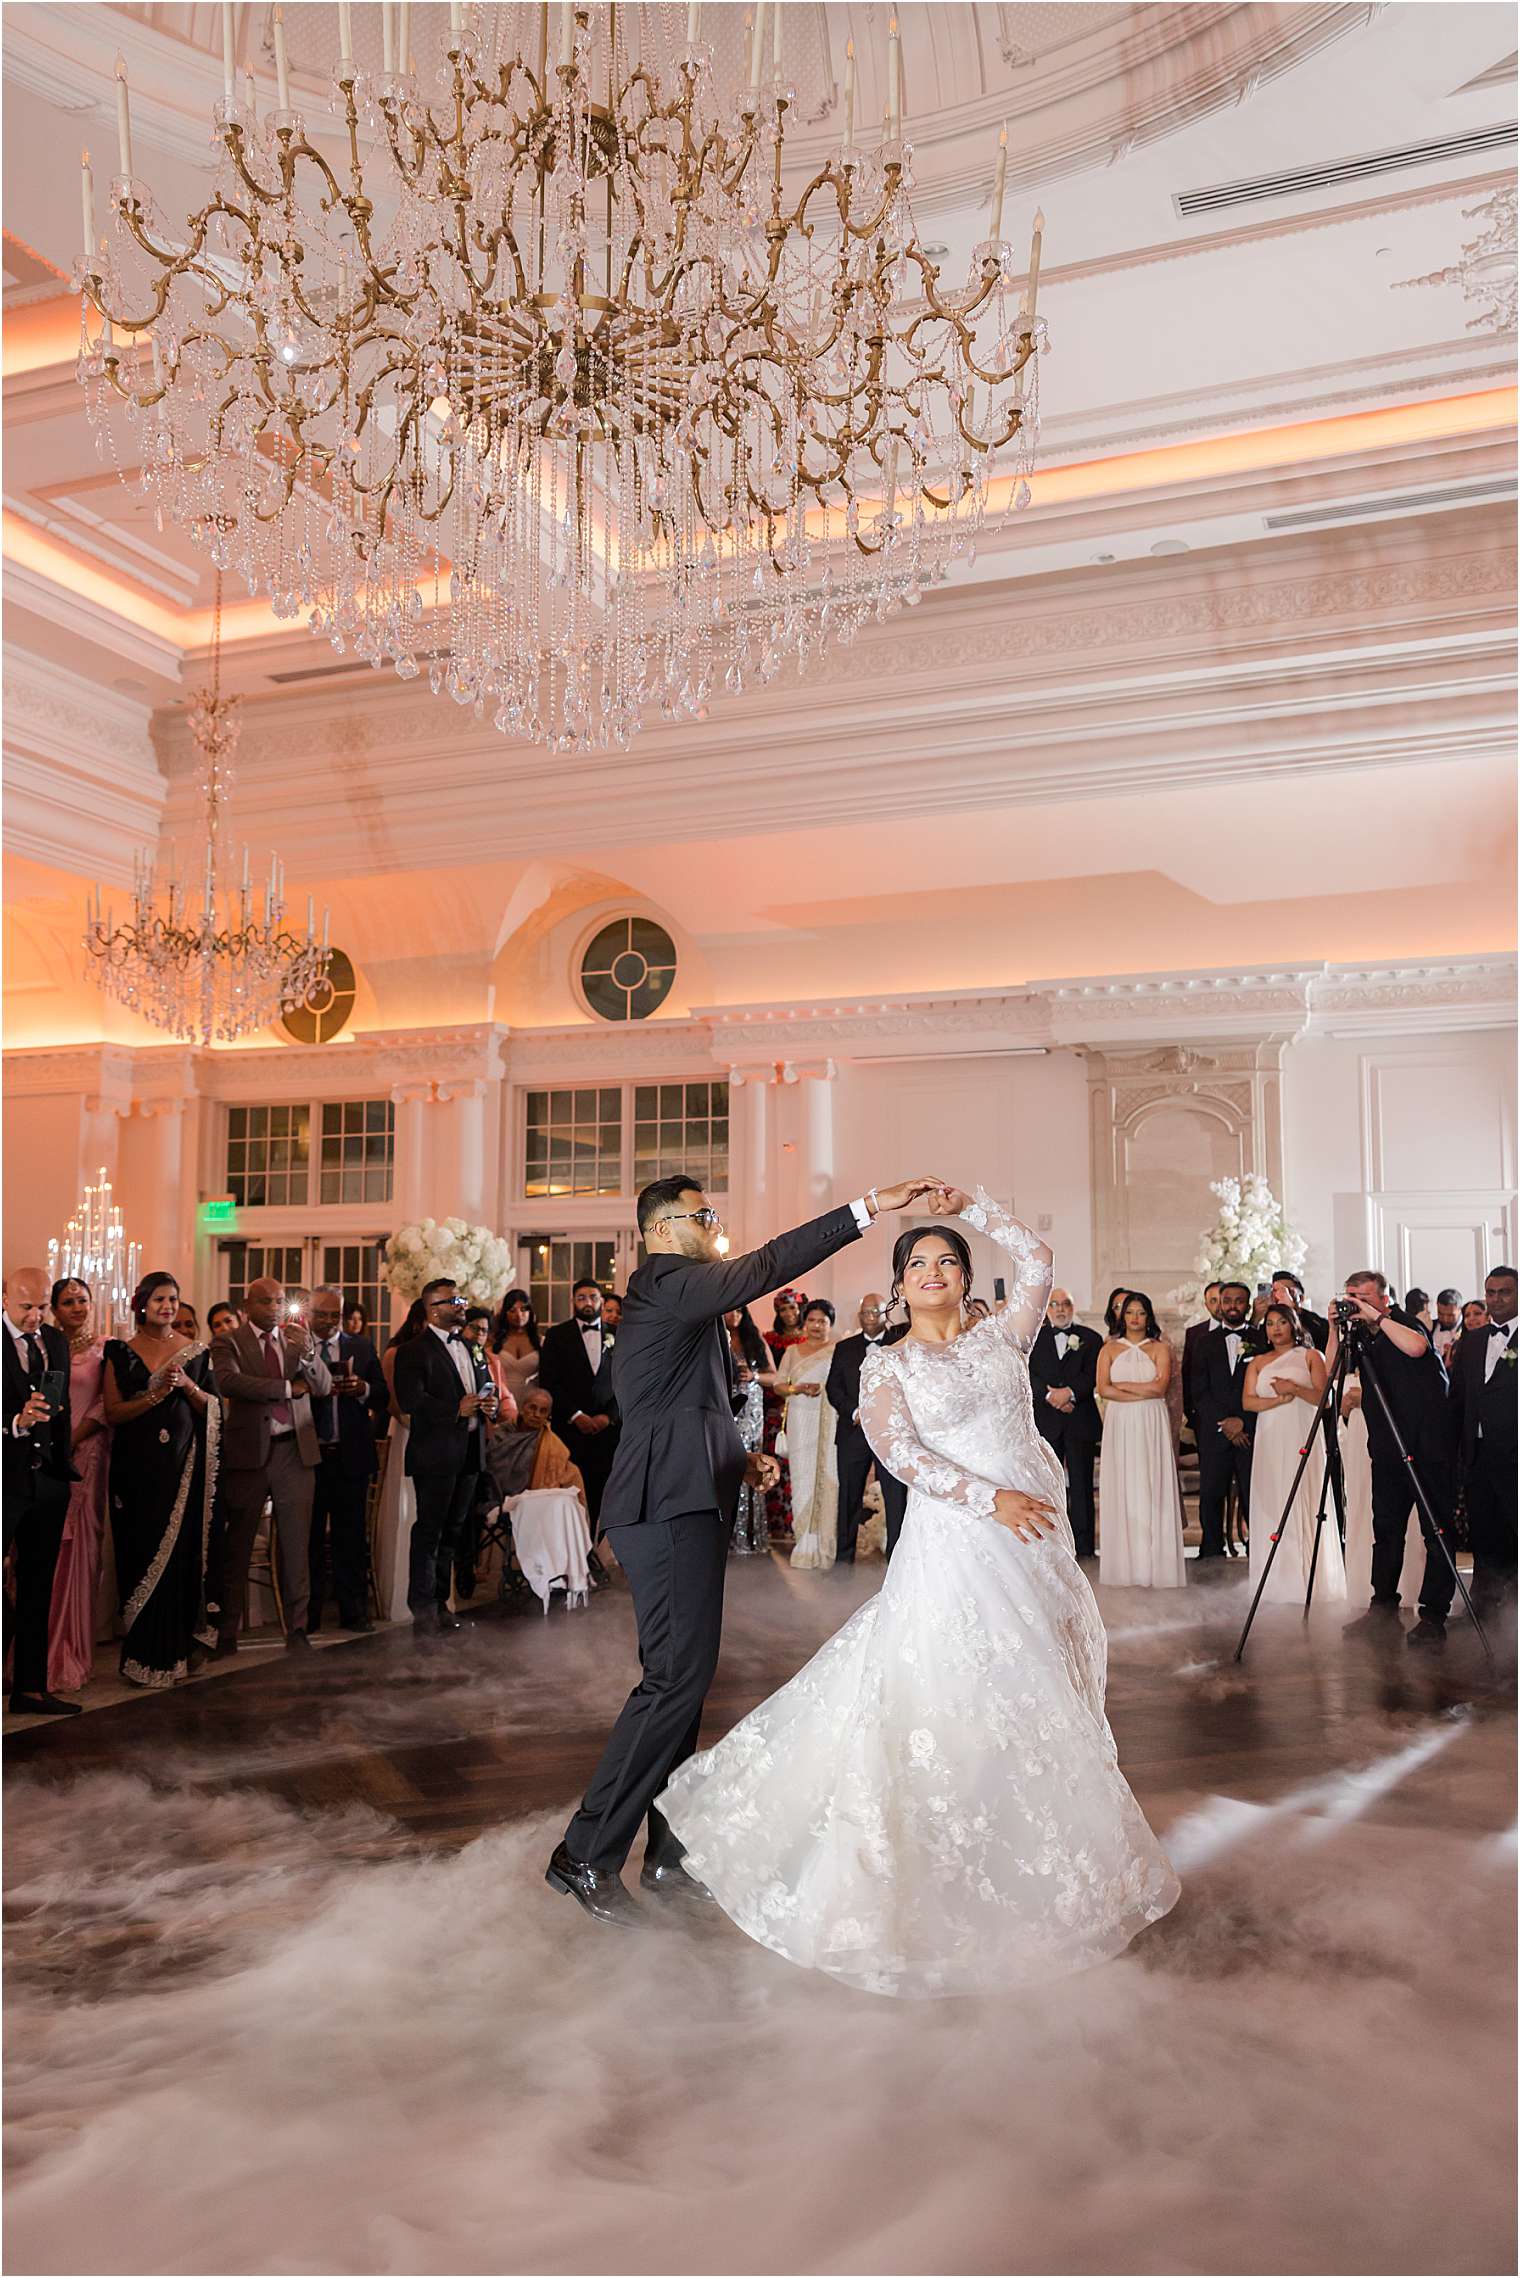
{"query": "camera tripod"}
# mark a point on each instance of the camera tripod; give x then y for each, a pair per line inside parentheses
(1333, 1483)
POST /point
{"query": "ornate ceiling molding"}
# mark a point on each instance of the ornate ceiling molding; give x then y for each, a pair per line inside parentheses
(83, 785)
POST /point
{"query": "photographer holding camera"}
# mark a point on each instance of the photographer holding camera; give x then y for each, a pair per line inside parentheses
(1409, 1374)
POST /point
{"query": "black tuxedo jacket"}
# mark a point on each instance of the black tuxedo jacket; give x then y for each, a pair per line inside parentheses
(680, 1448)
(1317, 1326)
(843, 1383)
(47, 1452)
(352, 1422)
(1192, 1347)
(428, 1392)
(1491, 1404)
(1217, 1388)
(1078, 1371)
(575, 1387)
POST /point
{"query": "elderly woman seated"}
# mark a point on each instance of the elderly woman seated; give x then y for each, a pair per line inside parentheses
(529, 1453)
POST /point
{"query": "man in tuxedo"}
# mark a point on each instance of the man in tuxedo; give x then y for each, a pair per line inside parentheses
(852, 1448)
(1063, 1375)
(570, 1371)
(39, 1472)
(1483, 1386)
(669, 1511)
(436, 1389)
(348, 1422)
(1448, 1322)
(1404, 1361)
(1220, 1423)
(1191, 1346)
(267, 1372)
(1288, 1290)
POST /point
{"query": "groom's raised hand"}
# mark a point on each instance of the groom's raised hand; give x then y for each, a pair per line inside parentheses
(903, 1194)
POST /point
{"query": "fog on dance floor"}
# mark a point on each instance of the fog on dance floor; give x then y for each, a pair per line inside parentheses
(247, 2037)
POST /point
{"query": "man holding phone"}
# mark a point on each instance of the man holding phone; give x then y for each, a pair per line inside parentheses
(347, 1424)
(267, 1372)
(39, 1473)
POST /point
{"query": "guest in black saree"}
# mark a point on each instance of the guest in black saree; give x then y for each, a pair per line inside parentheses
(163, 1417)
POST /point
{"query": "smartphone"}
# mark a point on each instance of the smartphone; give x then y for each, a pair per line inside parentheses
(999, 1289)
(53, 1385)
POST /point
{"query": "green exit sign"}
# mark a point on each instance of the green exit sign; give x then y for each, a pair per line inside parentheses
(220, 1210)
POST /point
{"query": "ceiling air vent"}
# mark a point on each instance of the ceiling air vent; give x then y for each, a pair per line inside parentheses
(1402, 502)
(1329, 177)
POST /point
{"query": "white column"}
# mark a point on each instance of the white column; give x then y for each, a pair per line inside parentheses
(462, 1179)
(413, 1168)
(751, 1207)
(818, 1139)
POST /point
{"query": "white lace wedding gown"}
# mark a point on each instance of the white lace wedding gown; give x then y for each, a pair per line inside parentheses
(934, 1805)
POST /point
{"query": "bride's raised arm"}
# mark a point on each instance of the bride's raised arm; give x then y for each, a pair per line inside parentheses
(1034, 1263)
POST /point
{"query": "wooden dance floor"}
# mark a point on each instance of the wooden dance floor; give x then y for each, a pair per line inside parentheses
(287, 1991)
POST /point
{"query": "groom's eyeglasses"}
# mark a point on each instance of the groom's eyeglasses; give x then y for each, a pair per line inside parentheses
(704, 1217)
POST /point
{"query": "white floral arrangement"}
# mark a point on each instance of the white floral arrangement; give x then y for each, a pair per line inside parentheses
(448, 1249)
(1248, 1241)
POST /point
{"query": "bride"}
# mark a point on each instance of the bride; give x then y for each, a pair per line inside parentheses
(934, 1805)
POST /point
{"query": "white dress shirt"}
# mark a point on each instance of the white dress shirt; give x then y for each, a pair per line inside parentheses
(1500, 1338)
(25, 1345)
(459, 1353)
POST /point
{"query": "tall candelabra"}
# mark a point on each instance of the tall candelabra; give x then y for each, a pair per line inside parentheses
(95, 1249)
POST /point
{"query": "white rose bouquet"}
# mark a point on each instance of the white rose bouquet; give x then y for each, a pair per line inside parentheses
(1248, 1240)
(439, 1249)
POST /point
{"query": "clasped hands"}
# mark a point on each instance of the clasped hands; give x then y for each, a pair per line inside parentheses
(939, 1199)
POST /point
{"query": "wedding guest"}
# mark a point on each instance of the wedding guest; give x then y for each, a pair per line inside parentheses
(445, 1452)
(76, 1580)
(1191, 1344)
(39, 1481)
(164, 1422)
(348, 1422)
(356, 1322)
(1474, 1315)
(853, 1456)
(267, 1372)
(1448, 1321)
(585, 1415)
(1414, 1385)
(1222, 1427)
(750, 1365)
(517, 1344)
(1417, 1303)
(397, 1512)
(529, 1453)
(1288, 1290)
(187, 1322)
(1063, 1377)
(221, 1318)
(784, 1332)
(1140, 1538)
(1282, 1388)
(1113, 1325)
(499, 1407)
(1484, 1392)
(801, 1380)
(477, 1335)
(612, 1312)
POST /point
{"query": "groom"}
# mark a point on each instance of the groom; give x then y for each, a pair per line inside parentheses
(669, 1509)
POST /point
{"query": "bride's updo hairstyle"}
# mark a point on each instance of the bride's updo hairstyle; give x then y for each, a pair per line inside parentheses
(904, 1246)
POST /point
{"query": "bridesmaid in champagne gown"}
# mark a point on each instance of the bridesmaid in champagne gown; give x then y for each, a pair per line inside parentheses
(76, 1579)
(1139, 1498)
(1282, 1390)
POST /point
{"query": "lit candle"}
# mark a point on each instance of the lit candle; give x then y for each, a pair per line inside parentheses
(894, 80)
(345, 34)
(456, 22)
(849, 98)
(776, 42)
(1033, 286)
(229, 67)
(387, 38)
(281, 66)
(251, 85)
(326, 927)
(999, 182)
(756, 47)
(123, 119)
(311, 915)
(87, 200)
(566, 33)
(245, 868)
(404, 37)
(692, 14)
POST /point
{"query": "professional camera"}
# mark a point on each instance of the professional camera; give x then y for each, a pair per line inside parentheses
(1344, 1311)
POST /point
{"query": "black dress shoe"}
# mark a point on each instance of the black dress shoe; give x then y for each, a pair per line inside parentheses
(43, 1704)
(297, 1641)
(448, 1622)
(596, 1890)
(1379, 1622)
(670, 1879)
(224, 1649)
(362, 1627)
(1427, 1636)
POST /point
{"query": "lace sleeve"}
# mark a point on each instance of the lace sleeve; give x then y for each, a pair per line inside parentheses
(1033, 1268)
(887, 1422)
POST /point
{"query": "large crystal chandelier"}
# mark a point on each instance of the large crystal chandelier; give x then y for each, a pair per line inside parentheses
(94, 1248)
(217, 972)
(535, 369)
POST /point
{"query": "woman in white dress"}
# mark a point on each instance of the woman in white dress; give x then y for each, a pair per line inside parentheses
(934, 1805)
(1282, 1390)
(398, 1502)
(800, 1380)
(1139, 1498)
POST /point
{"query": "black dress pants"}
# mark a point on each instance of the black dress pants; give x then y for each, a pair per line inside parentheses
(37, 1535)
(894, 1496)
(675, 1569)
(1220, 1461)
(1491, 1514)
(339, 1547)
(443, 1503)
(1076, 1458)
(1393, 1507)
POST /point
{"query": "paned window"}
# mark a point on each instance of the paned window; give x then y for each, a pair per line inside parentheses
(555, 1263)
(268, 1156)
(574, 1142)
(358, 1150)
(681, 1127)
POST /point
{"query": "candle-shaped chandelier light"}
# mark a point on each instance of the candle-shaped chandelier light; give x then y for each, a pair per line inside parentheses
(95, 1249)
(219, 971)
(534, 367)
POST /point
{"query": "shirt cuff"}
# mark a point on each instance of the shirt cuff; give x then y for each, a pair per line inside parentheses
(862, 1214)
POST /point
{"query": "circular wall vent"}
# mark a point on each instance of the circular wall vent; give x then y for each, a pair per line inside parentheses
(627, 969)
(326, 1011)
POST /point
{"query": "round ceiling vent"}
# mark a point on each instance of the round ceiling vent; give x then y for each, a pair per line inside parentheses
(627, 969)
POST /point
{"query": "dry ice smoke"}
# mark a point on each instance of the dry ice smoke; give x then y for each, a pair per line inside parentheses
(248, 2037)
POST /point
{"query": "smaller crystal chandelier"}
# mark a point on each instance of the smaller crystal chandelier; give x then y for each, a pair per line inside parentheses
(207, 975)
(95, 1249)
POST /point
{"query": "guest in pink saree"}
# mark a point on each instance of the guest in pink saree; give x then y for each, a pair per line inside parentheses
(76, 1580)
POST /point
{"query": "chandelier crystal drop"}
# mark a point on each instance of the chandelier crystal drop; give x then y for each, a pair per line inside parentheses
(536, 371)
(223, 970)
